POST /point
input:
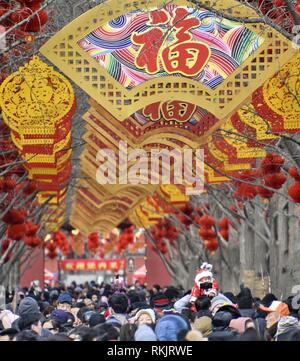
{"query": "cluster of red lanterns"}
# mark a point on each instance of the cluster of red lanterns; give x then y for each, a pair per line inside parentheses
(93, 243)
(31, 239)
(51, 247)
(272, 175)
(294, 189)
(278, 12)
(163, 230)
(224, 224)
(62, 242)
(207, 233)
(24, 11)
(18, 229)
(246, 191)
(57, 242)
(10, 169)
(126, 238)
(12, 13)
(15, 218)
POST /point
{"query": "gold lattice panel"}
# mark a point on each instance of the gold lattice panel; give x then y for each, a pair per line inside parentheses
(63, 50)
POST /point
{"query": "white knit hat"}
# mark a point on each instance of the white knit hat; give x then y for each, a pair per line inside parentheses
(148, 311)
(204, 271)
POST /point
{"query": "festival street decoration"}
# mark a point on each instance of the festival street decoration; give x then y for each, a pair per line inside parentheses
(172, 76)
(37, 105)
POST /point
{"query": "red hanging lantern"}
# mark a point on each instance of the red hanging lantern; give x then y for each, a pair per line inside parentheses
(32, 241)
(20, 14)
(51, 246)
(31, 229)
(36, 23)
(225, 234)
(211, 245)
(278, 3)
(293, 172)
(14, 216)
(294, 192)
(224, 223)
(9, 184)
(275, 180)
(207, 233)
(16, 231)
(207, 221)
(272, 163)
(245, 191)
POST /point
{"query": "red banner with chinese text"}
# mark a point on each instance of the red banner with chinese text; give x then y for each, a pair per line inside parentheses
(90, 264)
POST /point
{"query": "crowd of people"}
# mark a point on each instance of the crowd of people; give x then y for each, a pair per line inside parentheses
(114, 312)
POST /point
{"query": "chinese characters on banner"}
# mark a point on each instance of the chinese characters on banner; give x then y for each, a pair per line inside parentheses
(89, 265)
(180, 55)
(170, 111)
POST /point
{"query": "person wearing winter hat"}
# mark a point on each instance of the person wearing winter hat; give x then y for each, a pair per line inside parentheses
(144, 333)
(272, 320)
(27, 307)
(60, 316)
(31, 322)
(205, 284)
(220, 302)
(277, 306)
(65, 302)
(57, 320)
(161, 303)
(286, 325)
(169, 327)
(145, 316)
(241, 324)
(96, 319)
(204, 325)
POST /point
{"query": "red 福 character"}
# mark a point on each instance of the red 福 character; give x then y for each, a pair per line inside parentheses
(185, 56)
(178, 111)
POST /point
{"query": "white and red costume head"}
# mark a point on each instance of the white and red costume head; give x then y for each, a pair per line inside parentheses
(203, 278)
